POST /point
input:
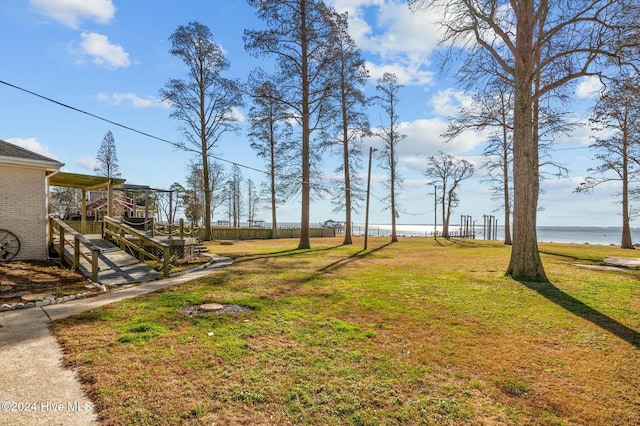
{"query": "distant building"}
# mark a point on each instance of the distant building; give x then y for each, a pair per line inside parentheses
(23, 198)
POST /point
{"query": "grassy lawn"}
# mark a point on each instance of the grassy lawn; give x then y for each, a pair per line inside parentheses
(418, 332)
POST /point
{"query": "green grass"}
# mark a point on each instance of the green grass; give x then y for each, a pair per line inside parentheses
(409, 333)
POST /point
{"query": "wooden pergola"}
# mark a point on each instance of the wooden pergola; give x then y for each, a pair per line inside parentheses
(86, 183)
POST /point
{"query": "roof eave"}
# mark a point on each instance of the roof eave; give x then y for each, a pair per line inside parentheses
(42, 164)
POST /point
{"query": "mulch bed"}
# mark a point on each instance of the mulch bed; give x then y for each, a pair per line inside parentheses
(31, 281)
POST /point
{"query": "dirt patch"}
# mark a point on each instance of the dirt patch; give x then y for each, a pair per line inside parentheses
(33, 280)
(226, 309)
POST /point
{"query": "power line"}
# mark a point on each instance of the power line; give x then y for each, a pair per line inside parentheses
(569, 149)
(149, 135)
(398, 210)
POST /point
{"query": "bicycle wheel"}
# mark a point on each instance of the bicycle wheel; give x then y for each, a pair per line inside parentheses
(9, 245)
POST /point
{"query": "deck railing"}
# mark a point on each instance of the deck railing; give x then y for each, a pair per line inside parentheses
(154, 228)
(63, 232)
(126, 236)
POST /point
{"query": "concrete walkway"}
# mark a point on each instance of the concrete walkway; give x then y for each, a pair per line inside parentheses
(35, 389)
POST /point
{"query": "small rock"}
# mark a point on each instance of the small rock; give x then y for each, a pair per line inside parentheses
(29, 305)
(18, 306)
(6, 287)
(5, 307)
(211, 307)
(39, 303)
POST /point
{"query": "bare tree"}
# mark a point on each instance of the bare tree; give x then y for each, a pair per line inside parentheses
(192, 206)
(298, 37)
(617, 110)
(205, 101)
(253, 201)
(538, 47)
(388, 99)
(196, 183)
(194, 200)
(107, 159)
(492, 110)
(170, 202)
(271, 137)
(235, 195)
(448, 172)
(351, 123)
(63, 200)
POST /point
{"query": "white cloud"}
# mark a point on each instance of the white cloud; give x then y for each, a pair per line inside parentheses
(423, 138)
(582, 135)
(448, 102)
(32, 144)
(71, 12)
(589, 87)
(135, 100)
(87, 162)
(239, 115)
(407, 75)
(103, 52)
(402, 40)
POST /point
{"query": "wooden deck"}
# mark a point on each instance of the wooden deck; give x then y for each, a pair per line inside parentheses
(117, 267)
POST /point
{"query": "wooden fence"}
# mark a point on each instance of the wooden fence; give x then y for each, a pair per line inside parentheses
(233, 233)
(224, 232)
(91, 227)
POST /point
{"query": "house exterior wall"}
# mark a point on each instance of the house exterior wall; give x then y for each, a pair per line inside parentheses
(23, 209)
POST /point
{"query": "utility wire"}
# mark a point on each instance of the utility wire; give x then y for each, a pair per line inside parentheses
(398, 210)
(175, 144)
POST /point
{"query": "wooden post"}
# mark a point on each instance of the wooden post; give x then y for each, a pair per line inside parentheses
(50, 231)
(94, 264)
(83, 213)
(76, 252)
(110, 199)
(182, 229)
(166, 253)
(122, 234)
(61, 245)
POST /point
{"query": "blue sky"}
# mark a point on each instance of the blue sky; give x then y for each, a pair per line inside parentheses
(110, 58)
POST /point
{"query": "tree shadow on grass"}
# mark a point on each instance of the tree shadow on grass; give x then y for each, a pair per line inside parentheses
(568, 256)
(575, 306)
(355, 256)
(282, 253)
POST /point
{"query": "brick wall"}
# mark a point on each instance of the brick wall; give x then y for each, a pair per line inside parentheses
(23, 209)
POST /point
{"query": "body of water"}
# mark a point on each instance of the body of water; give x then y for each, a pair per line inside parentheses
(557, 234)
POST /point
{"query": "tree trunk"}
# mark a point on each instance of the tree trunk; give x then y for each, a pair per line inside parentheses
(274, 225)
(347, 178)
(207, 197)
(304, 242)
(449, 201)
(394, 235)
(445, 223)
(626, 242)
(505, 180)
(525, 262)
